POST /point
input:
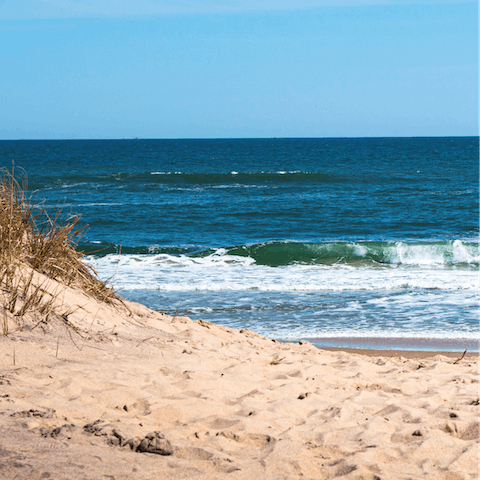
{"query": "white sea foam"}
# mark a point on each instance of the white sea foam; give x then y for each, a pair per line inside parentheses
(220, 271)
(402, 253)
(407, 254)
(421, 293)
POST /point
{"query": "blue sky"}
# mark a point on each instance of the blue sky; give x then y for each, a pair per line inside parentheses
(227, 69)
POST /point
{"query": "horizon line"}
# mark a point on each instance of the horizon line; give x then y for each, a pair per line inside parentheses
(227, 138)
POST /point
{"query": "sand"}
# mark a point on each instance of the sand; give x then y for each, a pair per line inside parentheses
(135, 394)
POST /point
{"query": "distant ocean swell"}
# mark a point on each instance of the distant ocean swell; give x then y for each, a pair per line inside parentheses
(171, 177)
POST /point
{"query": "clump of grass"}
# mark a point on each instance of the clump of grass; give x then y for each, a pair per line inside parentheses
(31, 237)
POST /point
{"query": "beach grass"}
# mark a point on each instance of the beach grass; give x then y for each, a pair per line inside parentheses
(35, 241)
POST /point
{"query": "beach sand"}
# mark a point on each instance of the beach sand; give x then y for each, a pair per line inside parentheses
(127, 393)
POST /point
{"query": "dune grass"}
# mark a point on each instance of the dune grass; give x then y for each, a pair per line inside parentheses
(34, 240)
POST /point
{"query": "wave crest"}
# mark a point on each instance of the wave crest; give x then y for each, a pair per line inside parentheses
(277, 254)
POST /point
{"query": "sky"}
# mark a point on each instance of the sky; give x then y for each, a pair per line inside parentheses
(88, 69)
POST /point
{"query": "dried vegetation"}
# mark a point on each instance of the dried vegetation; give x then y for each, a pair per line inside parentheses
(33, 242)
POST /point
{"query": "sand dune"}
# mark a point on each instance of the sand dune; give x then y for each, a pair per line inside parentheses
(122, 392)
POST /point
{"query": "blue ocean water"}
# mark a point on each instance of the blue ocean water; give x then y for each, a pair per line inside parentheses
(292, 238)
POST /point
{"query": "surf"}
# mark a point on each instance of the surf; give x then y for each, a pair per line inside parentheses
(283, 253)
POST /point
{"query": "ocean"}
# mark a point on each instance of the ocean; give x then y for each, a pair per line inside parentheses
(358, 242)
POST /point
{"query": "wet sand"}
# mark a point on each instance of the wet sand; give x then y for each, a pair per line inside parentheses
(410, 354)
(398, 344)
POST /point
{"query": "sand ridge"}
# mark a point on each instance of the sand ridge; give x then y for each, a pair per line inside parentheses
(128, 393)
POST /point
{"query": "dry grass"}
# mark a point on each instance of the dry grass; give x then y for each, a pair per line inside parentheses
(32, 240)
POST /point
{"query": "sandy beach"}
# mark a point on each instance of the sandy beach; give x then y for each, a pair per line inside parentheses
(122, 392)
